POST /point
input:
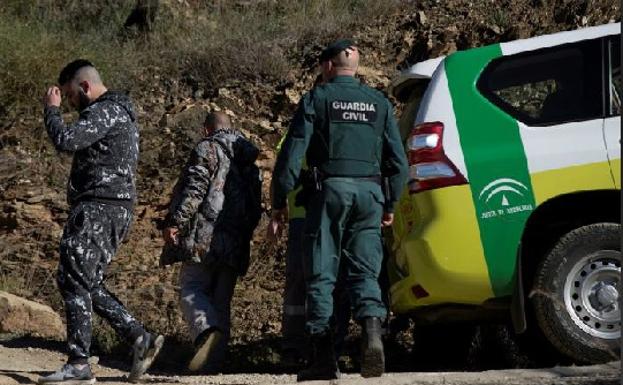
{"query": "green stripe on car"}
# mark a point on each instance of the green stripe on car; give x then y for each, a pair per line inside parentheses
(496, 165)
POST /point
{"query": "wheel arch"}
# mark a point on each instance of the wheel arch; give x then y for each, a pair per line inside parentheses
(547, 224)
(557, 216)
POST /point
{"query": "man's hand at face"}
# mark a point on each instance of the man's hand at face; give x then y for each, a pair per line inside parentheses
(275, 226)
(170, 235)
(52, 97)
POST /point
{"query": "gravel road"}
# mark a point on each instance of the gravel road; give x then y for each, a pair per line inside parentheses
(23, 365)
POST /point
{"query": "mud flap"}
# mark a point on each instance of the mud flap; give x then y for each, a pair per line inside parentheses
(518, 311)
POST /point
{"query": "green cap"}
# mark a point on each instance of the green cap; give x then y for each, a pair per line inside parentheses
(334, 48)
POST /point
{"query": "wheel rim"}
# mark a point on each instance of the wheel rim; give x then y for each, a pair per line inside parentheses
(592, 292)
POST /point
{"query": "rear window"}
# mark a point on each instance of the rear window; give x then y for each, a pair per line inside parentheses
(614, 83)
(548, 86)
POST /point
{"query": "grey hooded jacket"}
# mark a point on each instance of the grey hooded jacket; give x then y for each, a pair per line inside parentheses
(104, 141)
(208, 205)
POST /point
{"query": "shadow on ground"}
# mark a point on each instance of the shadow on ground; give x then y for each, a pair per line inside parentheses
(441, 348)
(469, 347)
(18, 376)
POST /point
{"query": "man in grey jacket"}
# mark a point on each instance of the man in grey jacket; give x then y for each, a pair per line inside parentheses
(101, 193)
(215, 207)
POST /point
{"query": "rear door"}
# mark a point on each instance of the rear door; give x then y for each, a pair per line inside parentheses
(557, 96)
(544, 139)
(612, 123)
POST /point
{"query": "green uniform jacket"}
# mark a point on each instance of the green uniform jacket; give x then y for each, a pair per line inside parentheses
(345, 129)
(294, 211)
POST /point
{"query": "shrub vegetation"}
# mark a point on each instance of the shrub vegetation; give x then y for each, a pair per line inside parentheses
(202, 42)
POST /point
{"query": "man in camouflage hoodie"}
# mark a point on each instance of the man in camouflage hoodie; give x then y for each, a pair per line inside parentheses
(210, 224)
(101, 193)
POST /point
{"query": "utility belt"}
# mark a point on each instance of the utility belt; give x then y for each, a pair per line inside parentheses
(312, 178)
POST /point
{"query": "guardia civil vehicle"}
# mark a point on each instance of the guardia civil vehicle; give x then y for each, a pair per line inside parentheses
(514, 196)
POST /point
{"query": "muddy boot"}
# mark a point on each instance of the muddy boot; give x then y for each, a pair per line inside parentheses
(372, 355)
(205, 345)
(322, 365)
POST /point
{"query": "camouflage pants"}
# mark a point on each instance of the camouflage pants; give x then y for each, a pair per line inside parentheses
(90, 239)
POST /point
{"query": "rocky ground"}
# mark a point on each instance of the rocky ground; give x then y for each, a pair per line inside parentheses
(32, 174)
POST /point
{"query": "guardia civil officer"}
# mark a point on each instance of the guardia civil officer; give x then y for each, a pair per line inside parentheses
(350, 139)
(101, 193)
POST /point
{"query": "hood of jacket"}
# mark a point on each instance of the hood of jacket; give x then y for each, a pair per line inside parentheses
(239, 148)
(119, 98)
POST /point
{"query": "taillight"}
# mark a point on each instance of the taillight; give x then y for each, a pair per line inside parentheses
(429, 167)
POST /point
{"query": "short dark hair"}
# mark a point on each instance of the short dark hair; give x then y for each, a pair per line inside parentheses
(70, 70)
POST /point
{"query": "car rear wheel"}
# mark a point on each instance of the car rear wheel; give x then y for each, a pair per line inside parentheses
(576, 293)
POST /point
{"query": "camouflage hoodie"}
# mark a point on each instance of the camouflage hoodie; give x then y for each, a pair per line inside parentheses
(104, 141)
(206, 207)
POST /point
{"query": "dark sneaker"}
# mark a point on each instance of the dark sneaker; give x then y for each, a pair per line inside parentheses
(206, 343)
(146, 348)
(69, 375)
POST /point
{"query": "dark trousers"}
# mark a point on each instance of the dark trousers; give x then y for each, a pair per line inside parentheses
(343, 225)
(90, 239)
(293, 321)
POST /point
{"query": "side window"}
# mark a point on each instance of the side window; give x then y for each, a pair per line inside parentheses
(548, 86)
(614, 77)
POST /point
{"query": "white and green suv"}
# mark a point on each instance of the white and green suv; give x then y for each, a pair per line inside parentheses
(514, 195)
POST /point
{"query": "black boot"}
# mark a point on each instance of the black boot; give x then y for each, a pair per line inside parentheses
(372, 355)
(322, 365)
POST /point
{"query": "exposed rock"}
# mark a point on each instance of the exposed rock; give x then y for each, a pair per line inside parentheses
(373, 77)
(422, 17)
(19, 315)
(293, 95)
(34, 213)
(23, 215)
(188, 116)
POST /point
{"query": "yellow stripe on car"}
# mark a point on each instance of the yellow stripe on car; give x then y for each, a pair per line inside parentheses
(552, 183)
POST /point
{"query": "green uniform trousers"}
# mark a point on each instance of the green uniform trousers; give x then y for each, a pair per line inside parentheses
(343, 221)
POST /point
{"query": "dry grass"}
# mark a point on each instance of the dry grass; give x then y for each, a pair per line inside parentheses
(200, 43)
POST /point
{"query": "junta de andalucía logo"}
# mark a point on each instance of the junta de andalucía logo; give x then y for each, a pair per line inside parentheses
(503, 197)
